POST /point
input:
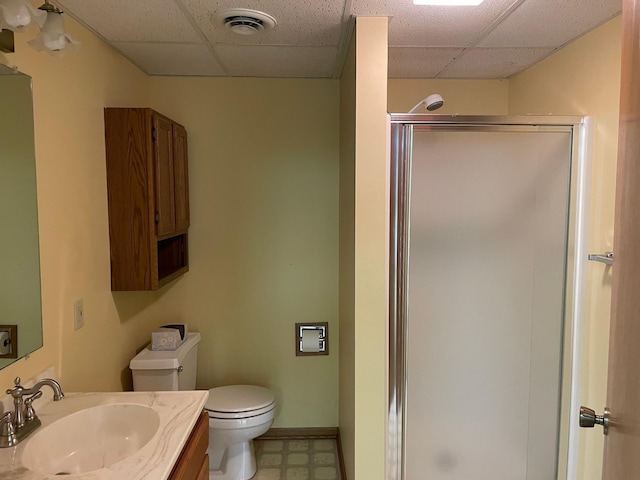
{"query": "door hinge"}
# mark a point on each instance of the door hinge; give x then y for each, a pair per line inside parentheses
(157, 217)
(154, 136)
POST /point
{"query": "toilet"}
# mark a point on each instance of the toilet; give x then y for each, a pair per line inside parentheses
(237, 413)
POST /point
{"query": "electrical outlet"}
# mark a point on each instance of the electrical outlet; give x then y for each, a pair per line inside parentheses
(8, 341)
(78, 314)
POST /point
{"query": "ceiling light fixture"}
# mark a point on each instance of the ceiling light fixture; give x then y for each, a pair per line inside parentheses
(244, 21)
(53, 38)
(467, 3)
(17, 15)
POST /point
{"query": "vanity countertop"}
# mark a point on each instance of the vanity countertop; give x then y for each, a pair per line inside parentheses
(177, 412)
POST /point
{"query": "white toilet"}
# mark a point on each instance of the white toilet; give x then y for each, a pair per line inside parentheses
(237, 413)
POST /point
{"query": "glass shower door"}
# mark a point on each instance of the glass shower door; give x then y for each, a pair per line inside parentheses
(486, 288)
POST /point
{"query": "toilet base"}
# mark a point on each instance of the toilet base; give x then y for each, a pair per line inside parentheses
(240, 463)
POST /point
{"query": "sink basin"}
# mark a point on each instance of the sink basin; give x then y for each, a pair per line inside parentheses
(90, 439)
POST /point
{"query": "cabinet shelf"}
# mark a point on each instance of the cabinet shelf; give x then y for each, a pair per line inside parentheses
(172, 261)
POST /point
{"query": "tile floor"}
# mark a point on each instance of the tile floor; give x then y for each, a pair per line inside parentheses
(312, 459)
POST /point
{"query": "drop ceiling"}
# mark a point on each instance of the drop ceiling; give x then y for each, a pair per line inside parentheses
(497, 39)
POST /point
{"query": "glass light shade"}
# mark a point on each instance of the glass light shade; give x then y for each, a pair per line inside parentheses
(16, 15)
(53, 37)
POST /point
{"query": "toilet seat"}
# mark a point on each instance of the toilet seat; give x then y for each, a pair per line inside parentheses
(239, 401)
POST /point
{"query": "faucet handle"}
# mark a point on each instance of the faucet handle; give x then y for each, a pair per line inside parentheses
(7, 431)
(6, 425)
(35, 396)
(4, 420)
(30, 413)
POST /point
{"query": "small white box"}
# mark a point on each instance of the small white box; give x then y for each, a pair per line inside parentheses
(181, 327)
(165, 339)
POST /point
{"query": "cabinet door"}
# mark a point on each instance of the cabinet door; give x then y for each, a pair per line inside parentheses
(193, 460)
(181, 177)
(164, 176)
(204, 469)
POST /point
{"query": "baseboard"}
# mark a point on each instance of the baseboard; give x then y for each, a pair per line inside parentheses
(343, 470)
(309, 432)
(305, 432)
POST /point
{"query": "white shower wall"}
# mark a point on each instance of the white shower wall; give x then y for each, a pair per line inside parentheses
(487, 261)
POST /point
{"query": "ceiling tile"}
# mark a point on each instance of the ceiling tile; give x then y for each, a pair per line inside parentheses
(307, 22)
(423, 39)
(130, 21)
(171, 58)
(266, 61)
(435, 26)
(551, 23)
(418, 62)
(494, 62)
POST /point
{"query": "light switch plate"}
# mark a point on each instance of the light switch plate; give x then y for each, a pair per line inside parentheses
(78, 314)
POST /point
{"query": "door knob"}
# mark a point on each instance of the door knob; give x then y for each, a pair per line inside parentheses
(588, 419)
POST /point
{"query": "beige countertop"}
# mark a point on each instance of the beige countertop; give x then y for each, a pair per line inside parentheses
(177, 412)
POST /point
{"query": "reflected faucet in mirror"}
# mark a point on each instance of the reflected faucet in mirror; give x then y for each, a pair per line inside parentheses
(16, 425)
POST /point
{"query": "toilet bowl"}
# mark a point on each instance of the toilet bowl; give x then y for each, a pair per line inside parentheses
(237, 415)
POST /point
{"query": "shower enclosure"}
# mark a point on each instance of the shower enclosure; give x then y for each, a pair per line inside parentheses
(487, 250)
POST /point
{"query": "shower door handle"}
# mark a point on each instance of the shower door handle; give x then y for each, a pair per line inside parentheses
(588, 419)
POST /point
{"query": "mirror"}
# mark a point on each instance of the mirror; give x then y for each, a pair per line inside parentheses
(20, 300)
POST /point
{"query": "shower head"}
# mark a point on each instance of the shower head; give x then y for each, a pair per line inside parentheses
(431, 103)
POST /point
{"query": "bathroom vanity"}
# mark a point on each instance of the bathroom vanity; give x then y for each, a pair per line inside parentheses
(193, 463)
(171, 442)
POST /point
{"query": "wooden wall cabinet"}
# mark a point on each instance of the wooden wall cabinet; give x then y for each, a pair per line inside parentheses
(193, 463)
(148, 193)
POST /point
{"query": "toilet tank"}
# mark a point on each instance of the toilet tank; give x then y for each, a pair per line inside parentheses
(155, 370)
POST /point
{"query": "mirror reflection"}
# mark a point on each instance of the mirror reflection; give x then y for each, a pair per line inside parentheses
(20, 300)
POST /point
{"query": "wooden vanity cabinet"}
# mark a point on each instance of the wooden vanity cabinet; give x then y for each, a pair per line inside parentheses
(193, 463)
(148, 194)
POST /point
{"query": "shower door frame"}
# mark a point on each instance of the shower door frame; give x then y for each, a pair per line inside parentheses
(401, 128)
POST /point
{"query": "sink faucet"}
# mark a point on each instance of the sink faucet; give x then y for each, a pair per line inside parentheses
(16, 425)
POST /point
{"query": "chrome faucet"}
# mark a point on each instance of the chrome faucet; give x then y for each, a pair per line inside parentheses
(16, 425)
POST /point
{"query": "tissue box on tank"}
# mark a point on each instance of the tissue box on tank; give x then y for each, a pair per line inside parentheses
(181, 327)
(165, 339)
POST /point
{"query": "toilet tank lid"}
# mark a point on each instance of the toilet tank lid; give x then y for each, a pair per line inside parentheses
(149, 359)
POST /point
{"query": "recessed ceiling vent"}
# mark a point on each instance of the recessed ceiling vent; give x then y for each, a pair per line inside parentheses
(244, 21)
